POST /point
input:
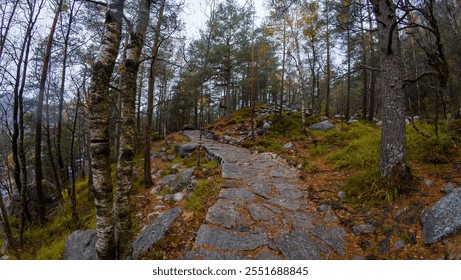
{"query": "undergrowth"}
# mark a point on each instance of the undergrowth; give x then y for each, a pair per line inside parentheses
(200, 197)
(47, 242)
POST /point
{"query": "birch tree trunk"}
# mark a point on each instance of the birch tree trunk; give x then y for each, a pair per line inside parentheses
(393, 150)
(127, 129)
(99, 129)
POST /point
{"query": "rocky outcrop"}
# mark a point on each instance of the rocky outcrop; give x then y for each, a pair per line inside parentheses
(154, 232)
(323, 126)
(80, 245)
(443, 218)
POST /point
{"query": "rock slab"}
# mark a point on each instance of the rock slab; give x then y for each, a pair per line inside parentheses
(80, 245)
(222, 239)
(323, 126)
(443, 218)
(154, 232)
(297, 246)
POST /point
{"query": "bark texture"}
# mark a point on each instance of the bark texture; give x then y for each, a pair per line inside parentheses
(127, 129)
(99, 130)
(393, 150)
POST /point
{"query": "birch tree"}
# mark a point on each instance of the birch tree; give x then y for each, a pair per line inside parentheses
(99, 129)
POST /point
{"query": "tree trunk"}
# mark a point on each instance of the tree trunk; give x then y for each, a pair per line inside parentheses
(393, 150)
(99, 130)
(365, 71)
(7, 228)
(39, 118)
(122, 207)
(49, 147)
(283, 68)
(62, 171)
(150, 97)
(371, 108)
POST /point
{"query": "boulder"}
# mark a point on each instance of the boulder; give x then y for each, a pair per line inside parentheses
(323, 126)
(177, 197)
(185, 149)
(182, 180)
(188, 127)
(154, 232)
(80, 245)
(288, 146)
(443, 218)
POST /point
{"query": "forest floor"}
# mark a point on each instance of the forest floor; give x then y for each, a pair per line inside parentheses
(396, 218)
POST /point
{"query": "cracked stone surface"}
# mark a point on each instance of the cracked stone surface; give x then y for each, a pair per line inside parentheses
(263, 211)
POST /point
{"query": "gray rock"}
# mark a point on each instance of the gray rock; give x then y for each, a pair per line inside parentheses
(222, 239)
(185, 149)
(225, 213)
(384, 246)
(324, 207)
(352, 121)
(168, 197)
(297, 246)
(260, 212)
(159, 197)
(323, 126)
(288, 146)
(341, 195)
(80, 245)
(154, 232)
(287, 203)
(188, 127)
(170, 157)
(379, 123)
(182, 180)
(443, 218)
(428, 182)
(176, 166)
(301, 221)
(267, 254)
(333, 237)
(159, 207)
(167, 180)
(449, 187)
(363, 228)
(291, 193)
(155, 189)
(230, 170)
(261, 190)
(177, 197)
(399, 244)
(204, 254)
(240, 196)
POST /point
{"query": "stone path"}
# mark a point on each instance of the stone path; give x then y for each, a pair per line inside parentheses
(263, 212)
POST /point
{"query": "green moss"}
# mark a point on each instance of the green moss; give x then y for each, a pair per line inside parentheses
(370, 188)
(362, 152)
(47, 242)
(287, 125)
(199, 200)
(52, 251)
(311, 167)
(435, 149)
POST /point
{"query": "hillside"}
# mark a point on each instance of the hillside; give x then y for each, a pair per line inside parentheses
(339, 167)
(337, 171)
